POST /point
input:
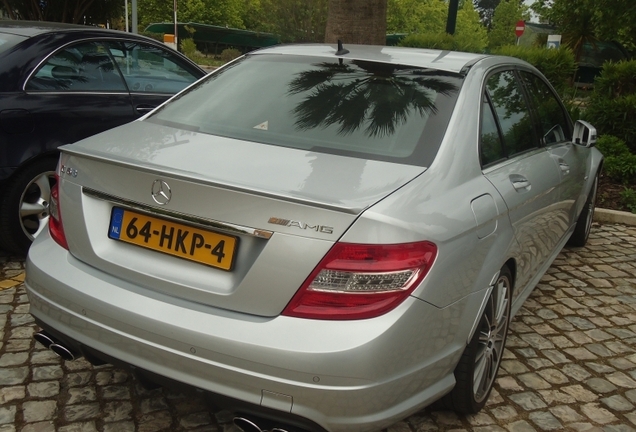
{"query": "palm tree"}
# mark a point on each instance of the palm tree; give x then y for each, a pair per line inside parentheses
(380, 96)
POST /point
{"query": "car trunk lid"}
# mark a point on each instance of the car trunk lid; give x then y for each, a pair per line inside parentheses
(284, 208)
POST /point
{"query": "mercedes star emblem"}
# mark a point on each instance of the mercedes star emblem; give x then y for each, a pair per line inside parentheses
(161, 192)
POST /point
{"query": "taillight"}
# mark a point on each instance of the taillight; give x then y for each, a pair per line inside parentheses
(55, 221)
(357, 281)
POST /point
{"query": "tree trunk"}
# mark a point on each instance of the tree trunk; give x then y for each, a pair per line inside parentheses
(356, 22)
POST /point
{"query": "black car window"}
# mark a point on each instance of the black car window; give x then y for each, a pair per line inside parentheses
(348, 107)
(553, 122)
(491, 147)
(512, 112)
(83, 67)
(150, 69)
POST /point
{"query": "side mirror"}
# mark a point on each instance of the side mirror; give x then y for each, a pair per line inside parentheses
(584, 134)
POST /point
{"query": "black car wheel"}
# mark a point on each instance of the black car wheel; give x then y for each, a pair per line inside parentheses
(477, 369)
(24, 210)
(584, 222)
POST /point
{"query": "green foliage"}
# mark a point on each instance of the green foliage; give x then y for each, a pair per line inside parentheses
(293, 20)
(441, 41)
(628, 197)
(216, 12)
(620, 163)
(153, 35)
(506, 15)
(556, 64)
(612, 106)
(574, 19)
(230, 54)
(610, 145)
(428, 17)
(486, 10)
(408, 16)
(188, 47)
(470, 31)
(617, 79)
(590, 20)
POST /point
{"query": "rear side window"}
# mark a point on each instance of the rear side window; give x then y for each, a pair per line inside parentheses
(512, 113)
(349, 107)
(150, 69)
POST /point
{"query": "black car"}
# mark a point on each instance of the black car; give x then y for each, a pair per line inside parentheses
(60, 83)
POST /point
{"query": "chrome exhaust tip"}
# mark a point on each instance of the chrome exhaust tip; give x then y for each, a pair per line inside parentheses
(246, 425)
(44, 339)
(62, 351)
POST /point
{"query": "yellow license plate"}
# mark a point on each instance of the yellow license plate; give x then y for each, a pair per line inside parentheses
(184, 241)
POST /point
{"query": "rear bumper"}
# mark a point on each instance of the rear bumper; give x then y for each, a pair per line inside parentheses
(339, 375)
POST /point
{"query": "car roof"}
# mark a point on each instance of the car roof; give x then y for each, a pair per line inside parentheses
(448, 61)
(34, 28)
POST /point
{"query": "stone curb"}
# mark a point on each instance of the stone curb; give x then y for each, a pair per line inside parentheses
(614, 216)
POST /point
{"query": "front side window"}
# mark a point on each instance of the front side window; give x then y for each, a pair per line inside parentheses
(83, 67)
(356, 108)
(512, 113)
(150, 69)
(553, 122)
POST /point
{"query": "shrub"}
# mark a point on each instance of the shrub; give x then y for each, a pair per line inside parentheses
(628, 197)
(557, 65)
(610, 145)
(230, 54)
(441, 41)
(612, 107)
(620, 163)
(188, 47)
(153, 35)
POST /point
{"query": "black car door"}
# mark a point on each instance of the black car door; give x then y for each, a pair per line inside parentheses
(152, 73)
(76, 93)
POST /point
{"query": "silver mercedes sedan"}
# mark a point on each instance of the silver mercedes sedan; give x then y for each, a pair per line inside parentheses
(325, 238)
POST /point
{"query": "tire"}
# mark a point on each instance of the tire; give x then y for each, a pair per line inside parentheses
(584, 222)
(477, 368)
(24, 209)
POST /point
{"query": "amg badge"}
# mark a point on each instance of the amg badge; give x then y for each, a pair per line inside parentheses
(298, 224)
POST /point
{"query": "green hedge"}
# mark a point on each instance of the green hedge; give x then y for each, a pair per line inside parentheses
(620, 162)
(612, 105)
(557, 65)
(441, 41)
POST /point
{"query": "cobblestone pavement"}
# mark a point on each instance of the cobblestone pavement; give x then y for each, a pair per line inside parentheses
(570, 362)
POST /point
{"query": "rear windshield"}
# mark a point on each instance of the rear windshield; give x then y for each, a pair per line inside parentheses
(355, 108)
(8, 40)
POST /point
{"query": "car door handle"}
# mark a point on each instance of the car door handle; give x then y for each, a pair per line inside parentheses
(565, 168)
(520, 183)
(143, 109)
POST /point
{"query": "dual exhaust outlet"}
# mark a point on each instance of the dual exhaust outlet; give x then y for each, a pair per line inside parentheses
(247, 425)
(244, 424)
(54, 345)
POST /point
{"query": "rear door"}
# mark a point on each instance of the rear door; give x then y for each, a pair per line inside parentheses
(152, 73)
(555, 132)
(521, 169)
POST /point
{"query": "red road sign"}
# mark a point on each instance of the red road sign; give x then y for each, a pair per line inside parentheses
(520, 27)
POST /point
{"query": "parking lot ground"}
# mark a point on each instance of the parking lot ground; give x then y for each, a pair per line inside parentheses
(570, 362)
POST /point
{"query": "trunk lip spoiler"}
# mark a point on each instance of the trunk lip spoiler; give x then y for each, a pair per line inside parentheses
(138, 166)
(180, 217)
